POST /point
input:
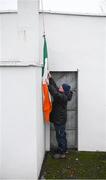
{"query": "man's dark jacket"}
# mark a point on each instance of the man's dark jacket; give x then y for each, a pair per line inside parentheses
(59, 106)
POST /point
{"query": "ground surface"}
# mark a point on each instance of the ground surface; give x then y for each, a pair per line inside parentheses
(77, 165)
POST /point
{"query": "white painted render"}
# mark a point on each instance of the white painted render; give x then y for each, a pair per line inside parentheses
(21, 123)
(79, 43)
(18, 34)
(18, 116)
(22, 137)
(75, 6)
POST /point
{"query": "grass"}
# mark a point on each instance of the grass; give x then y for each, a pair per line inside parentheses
(77, 165)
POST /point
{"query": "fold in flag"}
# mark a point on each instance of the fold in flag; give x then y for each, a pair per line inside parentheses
(47, 105)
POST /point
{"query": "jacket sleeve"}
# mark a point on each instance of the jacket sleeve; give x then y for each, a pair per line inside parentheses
(52, 82)
(59, 97)
(53, 91)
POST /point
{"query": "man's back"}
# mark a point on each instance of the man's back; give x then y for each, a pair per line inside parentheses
(59, 105)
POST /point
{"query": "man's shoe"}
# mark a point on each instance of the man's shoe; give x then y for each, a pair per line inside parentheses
(59, 156)
(56, 156)
(67, 152)
(63, 156)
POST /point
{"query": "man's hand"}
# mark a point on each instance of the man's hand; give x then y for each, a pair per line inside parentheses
(49, 75)
(47, 81)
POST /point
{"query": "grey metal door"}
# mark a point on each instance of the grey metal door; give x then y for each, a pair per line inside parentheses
(71, 125)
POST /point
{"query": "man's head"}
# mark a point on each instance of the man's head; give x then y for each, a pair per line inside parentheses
(66, 88)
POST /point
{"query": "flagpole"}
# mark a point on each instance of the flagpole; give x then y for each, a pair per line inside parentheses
(43, 18)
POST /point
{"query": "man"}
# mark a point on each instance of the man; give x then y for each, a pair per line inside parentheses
(58, 115)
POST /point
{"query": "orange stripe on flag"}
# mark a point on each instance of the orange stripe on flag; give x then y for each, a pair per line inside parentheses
(47, 105)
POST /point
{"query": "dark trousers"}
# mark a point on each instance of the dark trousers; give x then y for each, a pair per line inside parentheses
(61, 138)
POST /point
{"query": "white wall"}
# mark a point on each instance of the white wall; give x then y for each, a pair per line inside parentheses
(0, 36)
(40, 123)
(78, 43)
(20, 32)
(21, 123)
(22, 139)
(18, 123)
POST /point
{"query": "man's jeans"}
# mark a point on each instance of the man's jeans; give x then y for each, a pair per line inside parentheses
(61, 138)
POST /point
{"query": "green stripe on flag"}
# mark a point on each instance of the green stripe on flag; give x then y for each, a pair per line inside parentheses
(45, 53)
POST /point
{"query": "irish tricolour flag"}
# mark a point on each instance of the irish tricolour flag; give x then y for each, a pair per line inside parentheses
(47, 106)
